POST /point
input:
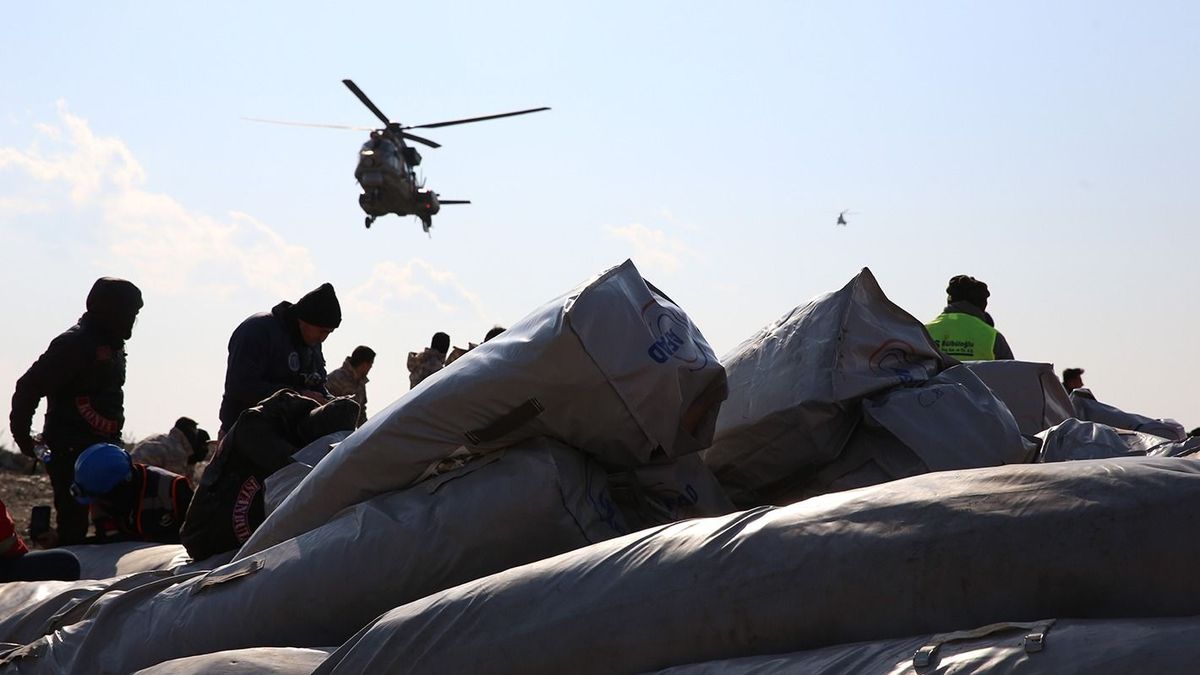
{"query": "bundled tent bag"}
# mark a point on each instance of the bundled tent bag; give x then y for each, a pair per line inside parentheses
(794, 387)
(29, 610)
(104, 561)
(281, 483)
(928, 554)
(657, 494)
(613, 368)
(1096, 647)
(1031, 391)
(1074, 439)
(254, 661)
(228, 504)
(952, 421)
(1087, 408)
(501, 510)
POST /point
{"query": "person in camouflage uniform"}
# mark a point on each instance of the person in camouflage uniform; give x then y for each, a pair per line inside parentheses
(351, 378)
(429, 361)
(177, 451)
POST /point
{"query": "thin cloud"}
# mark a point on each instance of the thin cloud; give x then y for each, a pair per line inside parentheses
(170, 247)
(654, 249)
(20, 206)
(394, 289)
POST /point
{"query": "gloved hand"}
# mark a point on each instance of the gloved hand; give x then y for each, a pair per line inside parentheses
(25, 445)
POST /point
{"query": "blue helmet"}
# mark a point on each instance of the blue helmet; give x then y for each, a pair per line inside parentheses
(98, 470)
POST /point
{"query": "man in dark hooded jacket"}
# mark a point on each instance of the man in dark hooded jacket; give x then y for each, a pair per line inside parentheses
(81, 376)
(280, 349)
(229, 502)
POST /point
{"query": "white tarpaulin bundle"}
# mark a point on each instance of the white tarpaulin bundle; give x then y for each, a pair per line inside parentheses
(284, 481)
(1163, 646)
(104, 561)
(657, 494)
(27, 607)
(254, 661)
(504, 509)
(1089, 409)
(933, 553)
(794, 386)
(613, 368)
(1031, 391)
(953, 421)
(1074, 439)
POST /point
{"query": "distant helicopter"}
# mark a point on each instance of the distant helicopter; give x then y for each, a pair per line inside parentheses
(387, 165)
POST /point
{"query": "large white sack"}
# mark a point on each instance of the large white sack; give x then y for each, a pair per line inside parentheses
(254, 661)
(1097, 647)
(952, 421)
(504, 509)
(661, 493)
(1089, 409)
(613, 368)
(933, 553)
(104, 561)
(794, 386)
(284, 481)
(1075, 439)
(1031, 391)
(31, 609)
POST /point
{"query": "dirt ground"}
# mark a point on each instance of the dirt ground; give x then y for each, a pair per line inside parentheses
(21, 492)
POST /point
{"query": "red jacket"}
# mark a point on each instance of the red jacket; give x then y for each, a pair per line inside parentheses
(11, 545)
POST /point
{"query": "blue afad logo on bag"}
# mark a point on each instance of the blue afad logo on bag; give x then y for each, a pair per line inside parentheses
(673, 337)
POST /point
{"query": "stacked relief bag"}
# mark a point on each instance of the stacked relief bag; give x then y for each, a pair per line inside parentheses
(613, 369)
(939, 552)
(498, 460)
(796, 386)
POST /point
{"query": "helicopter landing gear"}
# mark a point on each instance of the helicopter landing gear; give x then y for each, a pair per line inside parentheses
(369, 220)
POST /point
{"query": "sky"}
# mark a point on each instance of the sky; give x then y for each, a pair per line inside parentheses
(1049, 149)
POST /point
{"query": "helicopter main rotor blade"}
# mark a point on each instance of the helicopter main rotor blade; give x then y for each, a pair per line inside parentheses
(425, 141)
(474, 119)
(366, 101)
(307, 124)
(453, 201)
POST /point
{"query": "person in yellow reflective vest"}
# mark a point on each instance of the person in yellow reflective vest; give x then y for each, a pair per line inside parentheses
(964, 329)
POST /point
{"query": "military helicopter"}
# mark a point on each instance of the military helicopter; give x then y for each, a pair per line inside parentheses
(387, 165)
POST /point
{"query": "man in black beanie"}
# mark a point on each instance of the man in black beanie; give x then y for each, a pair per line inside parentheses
(964, 329)
(81, 375)
(280, 349)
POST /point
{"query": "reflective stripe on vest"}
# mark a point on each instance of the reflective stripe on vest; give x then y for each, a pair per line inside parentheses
(963, 336)
(156, 500)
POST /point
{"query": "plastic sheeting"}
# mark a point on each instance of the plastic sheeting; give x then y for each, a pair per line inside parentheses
(613, 368)
(1031, 391)
(933, 553)
(505, 509)
(794, 386)
(1089, 409)
(1073, 440)
(255, 661)
(1164, 646)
